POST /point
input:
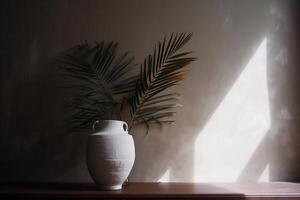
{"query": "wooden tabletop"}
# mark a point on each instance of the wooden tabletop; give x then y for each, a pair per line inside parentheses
(259, 191)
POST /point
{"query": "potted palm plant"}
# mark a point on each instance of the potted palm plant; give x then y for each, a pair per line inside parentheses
(108, 96)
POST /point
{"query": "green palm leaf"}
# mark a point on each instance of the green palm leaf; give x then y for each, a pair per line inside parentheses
(99, 77)
(165, 68)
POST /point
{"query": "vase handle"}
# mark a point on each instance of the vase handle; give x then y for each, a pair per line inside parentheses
(94, 126)
(125, 126)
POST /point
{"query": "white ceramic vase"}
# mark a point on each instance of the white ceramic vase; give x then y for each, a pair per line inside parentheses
(110, 154)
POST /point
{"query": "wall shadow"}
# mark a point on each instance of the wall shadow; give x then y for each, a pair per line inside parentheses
(32, 147)
(258, 162)
(284, 96)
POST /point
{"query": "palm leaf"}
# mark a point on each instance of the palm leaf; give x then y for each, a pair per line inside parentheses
(163, 69)
(99, 76)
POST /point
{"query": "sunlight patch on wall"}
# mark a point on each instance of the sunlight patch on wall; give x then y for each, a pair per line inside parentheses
(165, 177)
(264, 177)
(233, 132)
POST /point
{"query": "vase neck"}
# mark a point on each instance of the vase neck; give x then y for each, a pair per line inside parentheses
(111, 127)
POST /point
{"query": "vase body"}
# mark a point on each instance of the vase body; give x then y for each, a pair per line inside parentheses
(110, 154)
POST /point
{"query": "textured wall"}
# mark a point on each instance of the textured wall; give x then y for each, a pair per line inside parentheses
(226, 36)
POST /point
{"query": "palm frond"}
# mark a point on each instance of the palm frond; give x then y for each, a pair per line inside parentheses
(163, 69)
(97, 73)
(103, 88)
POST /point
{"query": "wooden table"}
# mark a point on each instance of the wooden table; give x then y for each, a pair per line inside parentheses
(247, 191)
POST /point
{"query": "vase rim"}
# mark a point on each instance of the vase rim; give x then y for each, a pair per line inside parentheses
(112, 125)
(113, 120)
(105, 135)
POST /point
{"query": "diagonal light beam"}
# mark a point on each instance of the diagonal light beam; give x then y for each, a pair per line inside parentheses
(233, 132)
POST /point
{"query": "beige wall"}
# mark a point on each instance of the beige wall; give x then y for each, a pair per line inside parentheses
(235, 144)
